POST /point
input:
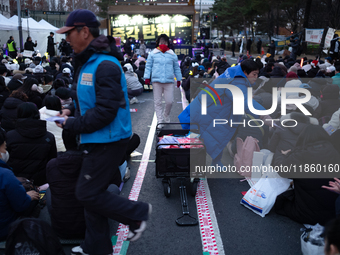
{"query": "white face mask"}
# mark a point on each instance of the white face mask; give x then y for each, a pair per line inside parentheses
(5, 156)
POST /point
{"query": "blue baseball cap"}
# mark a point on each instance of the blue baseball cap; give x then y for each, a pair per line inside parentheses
(79, 18)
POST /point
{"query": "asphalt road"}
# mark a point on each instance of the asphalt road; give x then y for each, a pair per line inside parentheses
(242, 232)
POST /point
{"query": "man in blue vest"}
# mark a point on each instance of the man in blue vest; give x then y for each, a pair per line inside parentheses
(102, 120)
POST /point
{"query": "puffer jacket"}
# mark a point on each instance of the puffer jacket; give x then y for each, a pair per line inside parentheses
(162, 67)
(67, 214)
(132, 81)
(13, 198)
(330, 101)
(30, 147)
(9, 113)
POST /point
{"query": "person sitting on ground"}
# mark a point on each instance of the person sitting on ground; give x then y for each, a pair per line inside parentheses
(336, 77)
(308, 202)
(38, 73)
(30, 145)
(67, 213)
(33, 91)
(52, 108)
(4, 91)
(3, 73)
(330, 102)
(16, 82)
(8, 113)
(332, 237)
(66, 74)
(134, 87)
(64, 94)
(284, 138)
(14, 200)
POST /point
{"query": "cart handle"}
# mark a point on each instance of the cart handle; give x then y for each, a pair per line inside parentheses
(177, 123)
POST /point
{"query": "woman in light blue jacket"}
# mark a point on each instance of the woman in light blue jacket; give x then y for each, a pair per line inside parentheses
(162, 66)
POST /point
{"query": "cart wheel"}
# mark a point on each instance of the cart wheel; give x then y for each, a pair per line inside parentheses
(194, 187)
(167, 188)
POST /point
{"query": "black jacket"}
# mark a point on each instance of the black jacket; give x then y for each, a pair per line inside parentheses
(330, 101)
(8, 113)
(233, 46)
(308, 203)
(259, 45)
(29, 45)
(272, 49)
(4, 94)
(67, 214)
(284, 138)
(50, 46)
(30, 147)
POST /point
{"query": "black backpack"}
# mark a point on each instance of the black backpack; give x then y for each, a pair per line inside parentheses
(32, 236)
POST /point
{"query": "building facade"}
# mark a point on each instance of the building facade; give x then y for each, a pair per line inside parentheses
(5, 8)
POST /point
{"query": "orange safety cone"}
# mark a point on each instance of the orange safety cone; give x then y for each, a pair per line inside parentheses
(262, 51)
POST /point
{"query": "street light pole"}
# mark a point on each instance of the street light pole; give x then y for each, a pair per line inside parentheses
(20, 25)
(73, 5)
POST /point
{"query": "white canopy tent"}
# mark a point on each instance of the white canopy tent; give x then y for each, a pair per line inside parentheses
(47, 25)
(6, 24)
(37, 31)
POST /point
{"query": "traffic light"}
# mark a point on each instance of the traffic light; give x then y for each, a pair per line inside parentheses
(207, 18)
(27, 13)
(215, 18)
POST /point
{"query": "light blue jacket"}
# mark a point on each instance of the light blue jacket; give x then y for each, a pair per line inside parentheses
(162, 67)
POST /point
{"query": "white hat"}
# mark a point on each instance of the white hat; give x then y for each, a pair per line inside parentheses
(129, 67)
(28, 61)
(38, 69)
(66, 70)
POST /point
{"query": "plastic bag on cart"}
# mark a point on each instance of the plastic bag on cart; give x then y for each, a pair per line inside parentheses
(261, 197)
(312, 243)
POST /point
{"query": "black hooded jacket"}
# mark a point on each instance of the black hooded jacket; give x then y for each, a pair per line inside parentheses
(8, 113)
(67, 214)
(330, 101)
(30, 147)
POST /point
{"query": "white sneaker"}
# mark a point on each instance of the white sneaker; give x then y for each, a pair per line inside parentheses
(133, 100)
(166, 118)
(78, 251)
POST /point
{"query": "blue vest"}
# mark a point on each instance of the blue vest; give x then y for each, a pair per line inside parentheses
(120, 127)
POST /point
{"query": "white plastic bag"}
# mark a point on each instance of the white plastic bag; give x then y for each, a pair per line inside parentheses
(261, 197)
(311, 241)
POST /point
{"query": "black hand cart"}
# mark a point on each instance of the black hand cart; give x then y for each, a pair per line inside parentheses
(175, 163)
